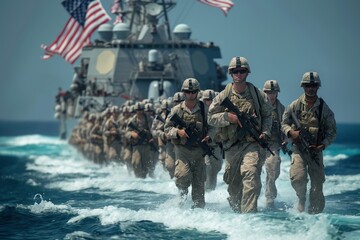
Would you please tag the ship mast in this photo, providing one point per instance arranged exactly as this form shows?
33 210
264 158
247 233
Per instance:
143 15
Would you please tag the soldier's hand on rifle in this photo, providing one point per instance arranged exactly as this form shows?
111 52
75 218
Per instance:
182 133
206 139
262 136
134 134
295 135
233 118
317 148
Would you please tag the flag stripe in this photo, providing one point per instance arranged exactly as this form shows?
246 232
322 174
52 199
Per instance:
73 36
224 5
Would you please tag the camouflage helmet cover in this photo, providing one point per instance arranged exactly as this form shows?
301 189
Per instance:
149 107
310 77
166 104
139 106
178 97
271 85
238 62
208 94
190 84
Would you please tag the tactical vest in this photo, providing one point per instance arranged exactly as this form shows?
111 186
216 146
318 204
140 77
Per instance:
141 124
196 119
248 103
275 129
310 120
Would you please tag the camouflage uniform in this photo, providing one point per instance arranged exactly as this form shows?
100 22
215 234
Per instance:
112 139
126 148
213 165
242 152
141 157
302 163
97 143
276 141
190 163
272 162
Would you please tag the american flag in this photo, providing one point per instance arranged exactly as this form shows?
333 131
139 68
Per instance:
86 17
224 5
116 9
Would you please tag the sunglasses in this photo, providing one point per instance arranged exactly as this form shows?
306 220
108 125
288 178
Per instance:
192 92
311 85
241 71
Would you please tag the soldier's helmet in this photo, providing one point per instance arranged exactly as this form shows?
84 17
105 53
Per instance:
114 109
126 109
131 109
129 102
271 85
238 62
149 107
166 104
139 106
310 78
190 84
208 94
178 97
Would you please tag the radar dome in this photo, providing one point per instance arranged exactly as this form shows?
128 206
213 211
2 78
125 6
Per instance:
182 31
153 56
121 31
105 32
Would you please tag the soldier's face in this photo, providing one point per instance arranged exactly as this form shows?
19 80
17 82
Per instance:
311 89
239 74
272 96
191 95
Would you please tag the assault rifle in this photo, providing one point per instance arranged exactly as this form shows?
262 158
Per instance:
144 136
306 138
160 118
194 136
247 124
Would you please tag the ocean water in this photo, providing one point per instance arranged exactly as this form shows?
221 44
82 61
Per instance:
49 191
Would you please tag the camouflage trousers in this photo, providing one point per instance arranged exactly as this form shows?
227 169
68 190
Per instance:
272 167
126 155
190 170
242 174
170 159
141 160
303 165
213 167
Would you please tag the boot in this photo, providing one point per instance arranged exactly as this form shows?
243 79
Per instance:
301 205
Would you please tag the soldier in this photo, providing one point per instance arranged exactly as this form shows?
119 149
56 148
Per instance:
178 98
112 136
213 165
241 135
97 141
157 129
277 141
311 125
154 152
126 148
190 163
140 138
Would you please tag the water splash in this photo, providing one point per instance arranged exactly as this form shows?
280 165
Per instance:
38 197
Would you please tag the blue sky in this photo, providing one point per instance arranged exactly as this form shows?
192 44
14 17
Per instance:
281 39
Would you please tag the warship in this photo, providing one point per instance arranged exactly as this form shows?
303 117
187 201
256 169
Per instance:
137 58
